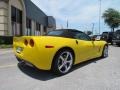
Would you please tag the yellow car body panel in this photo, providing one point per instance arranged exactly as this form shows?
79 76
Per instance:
42 57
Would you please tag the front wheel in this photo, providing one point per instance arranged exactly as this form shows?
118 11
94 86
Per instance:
63 62
105 52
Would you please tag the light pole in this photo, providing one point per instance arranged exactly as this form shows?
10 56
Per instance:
67 24
93 28
99 16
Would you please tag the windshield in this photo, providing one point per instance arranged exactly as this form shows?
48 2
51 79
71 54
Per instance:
118 32
104 33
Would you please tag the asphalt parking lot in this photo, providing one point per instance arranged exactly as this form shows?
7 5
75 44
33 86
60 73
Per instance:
97 74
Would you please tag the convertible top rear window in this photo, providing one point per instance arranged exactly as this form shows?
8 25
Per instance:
61 33
55 33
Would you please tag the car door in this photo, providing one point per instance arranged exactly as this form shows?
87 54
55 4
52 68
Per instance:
97 49
85 47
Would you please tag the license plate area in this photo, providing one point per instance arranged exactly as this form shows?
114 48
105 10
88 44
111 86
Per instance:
19 49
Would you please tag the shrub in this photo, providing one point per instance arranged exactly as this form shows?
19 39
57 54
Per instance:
6 40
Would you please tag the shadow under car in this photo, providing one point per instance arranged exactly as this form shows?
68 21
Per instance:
48 75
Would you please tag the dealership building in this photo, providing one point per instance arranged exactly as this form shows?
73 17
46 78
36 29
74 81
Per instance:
23 17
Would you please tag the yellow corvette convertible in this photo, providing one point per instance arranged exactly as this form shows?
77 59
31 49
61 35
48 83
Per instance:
59 50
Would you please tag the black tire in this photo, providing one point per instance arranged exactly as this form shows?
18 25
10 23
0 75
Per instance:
105 52
118 44
61 60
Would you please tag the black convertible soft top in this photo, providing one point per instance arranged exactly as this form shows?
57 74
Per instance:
68 33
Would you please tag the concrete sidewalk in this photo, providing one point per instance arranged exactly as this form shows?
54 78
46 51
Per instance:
5 51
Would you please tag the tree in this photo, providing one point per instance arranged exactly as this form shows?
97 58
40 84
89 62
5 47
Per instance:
112 18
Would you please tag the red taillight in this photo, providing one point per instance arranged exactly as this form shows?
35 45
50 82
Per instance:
31 42
26 42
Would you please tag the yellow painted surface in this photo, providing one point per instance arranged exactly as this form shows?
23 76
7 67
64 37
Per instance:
42 57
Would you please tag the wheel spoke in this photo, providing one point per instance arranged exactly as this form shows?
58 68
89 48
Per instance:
67 56
69 61
61 57
61 66
66 67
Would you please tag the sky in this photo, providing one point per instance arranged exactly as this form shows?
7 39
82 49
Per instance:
81 14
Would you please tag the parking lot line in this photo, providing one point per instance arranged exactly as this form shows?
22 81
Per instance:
5 52
7 66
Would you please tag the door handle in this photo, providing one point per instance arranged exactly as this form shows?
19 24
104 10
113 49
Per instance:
76 42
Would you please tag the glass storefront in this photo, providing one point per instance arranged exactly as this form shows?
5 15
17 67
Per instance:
28 31
16 21
38 29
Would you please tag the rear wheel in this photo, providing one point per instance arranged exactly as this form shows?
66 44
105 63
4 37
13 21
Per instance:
105 52
63 62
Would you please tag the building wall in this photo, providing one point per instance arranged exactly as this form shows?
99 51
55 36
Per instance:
33 27
41 31
25 6
3 18
34 30
35 13
19 4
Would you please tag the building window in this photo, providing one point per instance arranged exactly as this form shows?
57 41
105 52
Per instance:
29 27
16 21
45 30
38 29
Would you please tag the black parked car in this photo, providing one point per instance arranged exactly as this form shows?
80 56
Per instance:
116 37
107 36
96 37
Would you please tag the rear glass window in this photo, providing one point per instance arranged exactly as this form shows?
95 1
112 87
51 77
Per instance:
55 33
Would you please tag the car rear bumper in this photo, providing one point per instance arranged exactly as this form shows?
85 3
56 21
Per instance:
35 58
25 62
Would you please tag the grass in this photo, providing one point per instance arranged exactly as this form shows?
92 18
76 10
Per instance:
3 46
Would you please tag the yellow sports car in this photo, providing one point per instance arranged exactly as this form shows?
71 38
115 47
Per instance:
59 50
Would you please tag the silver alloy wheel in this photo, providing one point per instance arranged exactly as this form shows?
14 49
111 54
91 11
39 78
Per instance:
65 61
105 51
